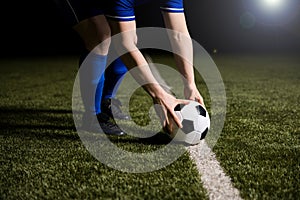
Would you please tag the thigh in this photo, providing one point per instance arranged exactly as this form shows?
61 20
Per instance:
75 11
94 31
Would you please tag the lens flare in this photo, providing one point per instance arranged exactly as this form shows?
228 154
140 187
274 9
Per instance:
273 3
273 12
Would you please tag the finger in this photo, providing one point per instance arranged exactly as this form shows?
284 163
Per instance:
176 119
165 113
200 100
160 113
183 101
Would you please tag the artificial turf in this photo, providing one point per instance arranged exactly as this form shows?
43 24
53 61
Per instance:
42 157
260 143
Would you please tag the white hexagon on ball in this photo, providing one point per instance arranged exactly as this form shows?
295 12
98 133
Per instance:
195 121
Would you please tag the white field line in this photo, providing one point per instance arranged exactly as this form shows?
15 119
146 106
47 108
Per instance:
215 181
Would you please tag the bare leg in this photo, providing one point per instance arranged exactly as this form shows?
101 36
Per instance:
93 31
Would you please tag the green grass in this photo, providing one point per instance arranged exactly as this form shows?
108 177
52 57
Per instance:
42 156
260 143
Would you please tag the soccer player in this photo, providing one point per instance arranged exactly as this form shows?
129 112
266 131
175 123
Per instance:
87 19
121 17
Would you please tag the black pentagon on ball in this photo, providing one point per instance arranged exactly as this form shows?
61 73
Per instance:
179 107
187 126
201 111
204 134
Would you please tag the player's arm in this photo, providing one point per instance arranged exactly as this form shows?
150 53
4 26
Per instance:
142 74
182 45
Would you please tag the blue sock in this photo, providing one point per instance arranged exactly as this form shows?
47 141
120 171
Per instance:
91 81
113 76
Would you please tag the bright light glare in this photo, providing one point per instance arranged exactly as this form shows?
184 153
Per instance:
271 12
273 3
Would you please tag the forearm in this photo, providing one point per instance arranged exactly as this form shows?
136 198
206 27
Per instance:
133 58
142 74
184 59
181 43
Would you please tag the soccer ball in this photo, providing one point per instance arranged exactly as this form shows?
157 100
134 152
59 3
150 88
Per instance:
195 121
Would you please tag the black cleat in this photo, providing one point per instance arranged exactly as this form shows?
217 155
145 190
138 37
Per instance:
112 108
108 125
101 123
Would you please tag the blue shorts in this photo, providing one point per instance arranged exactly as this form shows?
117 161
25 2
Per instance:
123 10
74 11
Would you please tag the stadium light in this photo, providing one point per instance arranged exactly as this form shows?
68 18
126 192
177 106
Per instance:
273 6
273 12
273 3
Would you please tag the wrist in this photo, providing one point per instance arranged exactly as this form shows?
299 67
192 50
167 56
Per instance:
154 90
190 85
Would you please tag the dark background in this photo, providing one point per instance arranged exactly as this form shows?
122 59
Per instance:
35 27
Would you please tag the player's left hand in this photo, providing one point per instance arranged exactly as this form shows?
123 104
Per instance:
192 93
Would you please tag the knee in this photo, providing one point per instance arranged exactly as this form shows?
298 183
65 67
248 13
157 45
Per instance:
103 33
103 46
105 41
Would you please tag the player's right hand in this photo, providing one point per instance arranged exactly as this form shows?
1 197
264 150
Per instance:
166 110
